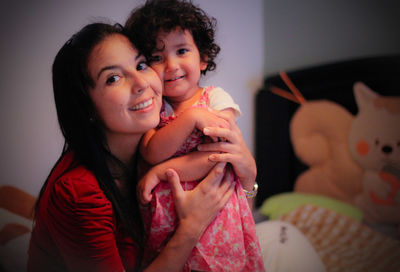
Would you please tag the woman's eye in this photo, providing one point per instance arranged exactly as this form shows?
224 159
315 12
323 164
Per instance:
112 79
142 66
182 51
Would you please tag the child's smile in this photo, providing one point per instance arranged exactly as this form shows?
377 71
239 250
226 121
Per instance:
172 80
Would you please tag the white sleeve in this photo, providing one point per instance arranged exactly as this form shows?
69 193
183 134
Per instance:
221 100
168 110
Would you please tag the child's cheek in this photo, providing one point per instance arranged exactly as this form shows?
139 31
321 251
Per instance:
158 68
362 148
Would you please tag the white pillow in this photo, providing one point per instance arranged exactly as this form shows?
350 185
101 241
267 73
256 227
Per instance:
286 249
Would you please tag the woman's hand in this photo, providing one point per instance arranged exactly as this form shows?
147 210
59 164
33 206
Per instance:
195 209
198 207
233 150
206 118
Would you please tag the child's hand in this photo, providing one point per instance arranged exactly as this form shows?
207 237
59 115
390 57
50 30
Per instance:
233 150
146 185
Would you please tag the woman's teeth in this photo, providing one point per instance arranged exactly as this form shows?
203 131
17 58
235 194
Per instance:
142 105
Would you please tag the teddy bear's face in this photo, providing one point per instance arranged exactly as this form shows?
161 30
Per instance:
374 137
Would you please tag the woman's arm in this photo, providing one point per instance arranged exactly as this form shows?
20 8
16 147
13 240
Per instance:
79 221
159 145
196 209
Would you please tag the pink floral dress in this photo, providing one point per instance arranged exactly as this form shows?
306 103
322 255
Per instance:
228 244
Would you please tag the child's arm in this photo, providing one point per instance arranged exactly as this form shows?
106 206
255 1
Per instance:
192 166
159 145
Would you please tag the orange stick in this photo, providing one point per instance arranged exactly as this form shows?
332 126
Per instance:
284 94
292 87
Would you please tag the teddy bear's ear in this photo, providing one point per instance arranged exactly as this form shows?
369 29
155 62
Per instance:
364 95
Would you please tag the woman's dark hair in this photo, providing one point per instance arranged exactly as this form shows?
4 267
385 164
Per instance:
147 21
83 131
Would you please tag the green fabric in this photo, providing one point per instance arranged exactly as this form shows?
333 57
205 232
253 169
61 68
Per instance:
280 204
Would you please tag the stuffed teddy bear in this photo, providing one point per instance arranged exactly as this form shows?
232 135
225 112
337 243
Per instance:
374 141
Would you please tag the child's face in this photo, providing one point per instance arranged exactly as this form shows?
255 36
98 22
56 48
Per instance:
178 64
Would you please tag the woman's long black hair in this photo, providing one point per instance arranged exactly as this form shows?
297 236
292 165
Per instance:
83 131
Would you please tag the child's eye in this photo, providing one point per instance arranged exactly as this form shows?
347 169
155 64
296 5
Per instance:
112 79
142 66
155 59
182 51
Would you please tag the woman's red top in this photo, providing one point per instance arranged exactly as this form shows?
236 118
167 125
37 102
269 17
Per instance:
76 227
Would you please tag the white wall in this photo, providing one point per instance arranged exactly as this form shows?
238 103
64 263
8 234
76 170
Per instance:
310 32
257 38
33 32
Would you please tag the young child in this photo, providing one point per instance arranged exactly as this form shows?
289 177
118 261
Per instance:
178 38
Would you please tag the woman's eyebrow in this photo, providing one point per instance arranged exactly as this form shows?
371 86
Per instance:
111 67
138 56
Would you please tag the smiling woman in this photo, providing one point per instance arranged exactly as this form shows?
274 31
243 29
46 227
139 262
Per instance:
126 93
87 215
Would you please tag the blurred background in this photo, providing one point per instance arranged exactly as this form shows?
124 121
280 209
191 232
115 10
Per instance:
258 38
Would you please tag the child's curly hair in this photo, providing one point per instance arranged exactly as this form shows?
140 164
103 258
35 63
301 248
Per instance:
147 21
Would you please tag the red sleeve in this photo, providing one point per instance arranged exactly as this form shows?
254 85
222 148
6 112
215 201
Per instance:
83 225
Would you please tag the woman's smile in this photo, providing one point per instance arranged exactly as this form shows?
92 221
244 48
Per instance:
143 106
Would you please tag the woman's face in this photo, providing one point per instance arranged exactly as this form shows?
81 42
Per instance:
127 92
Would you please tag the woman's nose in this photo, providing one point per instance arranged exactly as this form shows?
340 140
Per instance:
140 84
